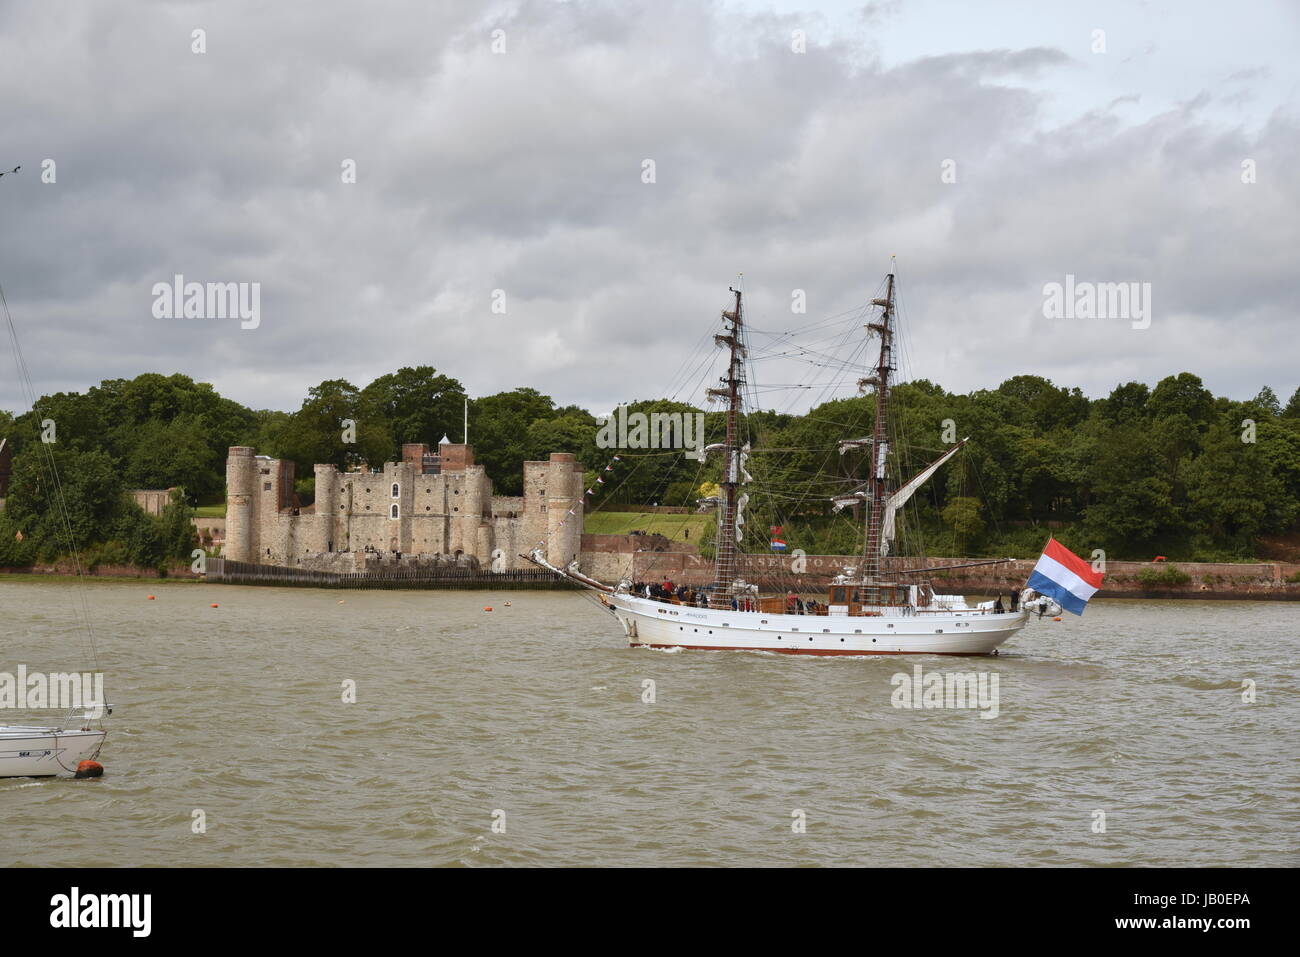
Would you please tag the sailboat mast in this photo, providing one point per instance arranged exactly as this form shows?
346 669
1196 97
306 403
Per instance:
880 443
724 572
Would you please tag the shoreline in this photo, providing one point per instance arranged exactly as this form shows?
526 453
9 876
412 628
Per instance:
971 589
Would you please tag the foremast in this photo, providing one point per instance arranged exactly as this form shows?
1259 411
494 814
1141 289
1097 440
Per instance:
724 566
877 483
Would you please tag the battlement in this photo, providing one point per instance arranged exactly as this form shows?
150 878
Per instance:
425 504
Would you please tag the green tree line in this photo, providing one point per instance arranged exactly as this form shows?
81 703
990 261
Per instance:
1169 469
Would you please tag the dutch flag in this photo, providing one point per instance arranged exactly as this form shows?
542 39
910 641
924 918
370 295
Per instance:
1064 577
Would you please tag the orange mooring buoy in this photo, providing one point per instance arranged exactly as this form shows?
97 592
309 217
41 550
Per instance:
1056 619
89 769
487 608
214 604
151 598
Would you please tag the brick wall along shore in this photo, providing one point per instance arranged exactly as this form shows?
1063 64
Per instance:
610 557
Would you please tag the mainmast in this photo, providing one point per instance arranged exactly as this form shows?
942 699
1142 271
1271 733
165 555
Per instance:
724 571
879 444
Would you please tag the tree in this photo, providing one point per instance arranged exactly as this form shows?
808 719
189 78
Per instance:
1183 394
331 428
962 515
1268 401
416 404
499 424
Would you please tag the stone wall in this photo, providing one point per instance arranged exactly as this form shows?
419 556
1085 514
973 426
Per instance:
685 566
152 500
407 507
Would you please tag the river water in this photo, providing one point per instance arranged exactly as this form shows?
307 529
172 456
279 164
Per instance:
533 716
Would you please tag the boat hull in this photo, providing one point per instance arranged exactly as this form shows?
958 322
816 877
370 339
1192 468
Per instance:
655 624
45 752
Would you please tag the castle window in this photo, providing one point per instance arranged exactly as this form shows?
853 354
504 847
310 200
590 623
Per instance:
393 512
266 486
397 489
266 471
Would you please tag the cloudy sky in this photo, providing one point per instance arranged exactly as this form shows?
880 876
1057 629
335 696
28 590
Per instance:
502 146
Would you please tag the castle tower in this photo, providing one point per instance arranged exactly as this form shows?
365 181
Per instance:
327 509
564 491
241 518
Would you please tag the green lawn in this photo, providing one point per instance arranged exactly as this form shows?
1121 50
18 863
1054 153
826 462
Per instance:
211 511
670 526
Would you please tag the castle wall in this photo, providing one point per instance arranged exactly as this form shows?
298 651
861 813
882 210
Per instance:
447 513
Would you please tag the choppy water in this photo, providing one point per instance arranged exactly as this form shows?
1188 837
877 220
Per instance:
536 710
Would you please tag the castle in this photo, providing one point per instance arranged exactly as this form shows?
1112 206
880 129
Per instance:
427 507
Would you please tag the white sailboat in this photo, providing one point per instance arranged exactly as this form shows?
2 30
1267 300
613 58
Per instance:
71 746
36 752
864 613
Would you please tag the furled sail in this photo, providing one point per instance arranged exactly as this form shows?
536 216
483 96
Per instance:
903 493
740 515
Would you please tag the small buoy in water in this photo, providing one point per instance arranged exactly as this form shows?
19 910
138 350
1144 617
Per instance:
487 607
89 769
507 604
214 604
1056 619
151 598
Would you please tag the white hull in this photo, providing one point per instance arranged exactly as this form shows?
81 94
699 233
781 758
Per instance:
971 631
42 752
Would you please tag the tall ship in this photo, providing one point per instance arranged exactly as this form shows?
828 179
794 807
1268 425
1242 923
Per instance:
869 608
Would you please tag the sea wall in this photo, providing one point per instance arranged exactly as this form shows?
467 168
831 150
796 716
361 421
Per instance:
1122 579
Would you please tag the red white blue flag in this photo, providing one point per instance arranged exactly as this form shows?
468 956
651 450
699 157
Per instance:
1064 577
